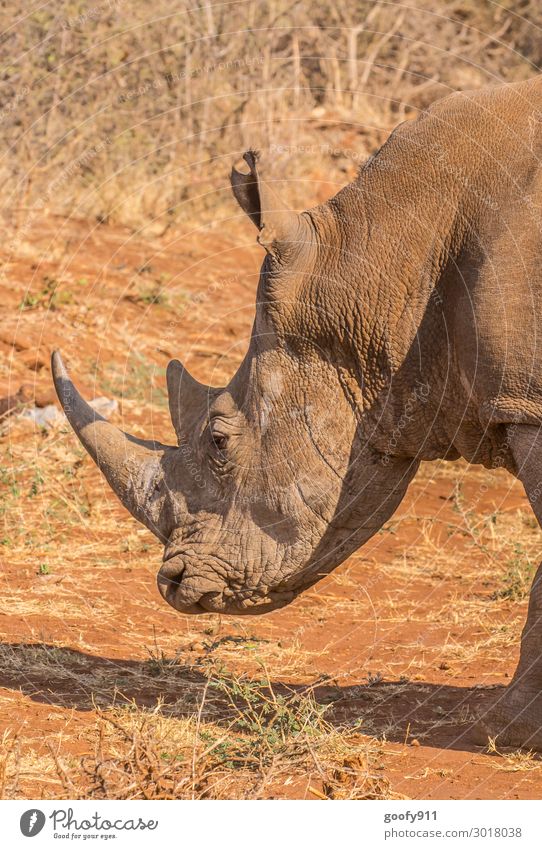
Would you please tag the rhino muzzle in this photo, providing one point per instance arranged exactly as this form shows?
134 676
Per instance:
196 595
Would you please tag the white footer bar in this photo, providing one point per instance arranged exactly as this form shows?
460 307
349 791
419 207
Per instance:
272 824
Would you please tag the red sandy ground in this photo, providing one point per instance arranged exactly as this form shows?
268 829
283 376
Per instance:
407 635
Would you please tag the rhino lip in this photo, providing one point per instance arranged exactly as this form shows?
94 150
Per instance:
169 586
168 590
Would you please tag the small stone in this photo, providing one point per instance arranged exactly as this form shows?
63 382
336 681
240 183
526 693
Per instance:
105 406
43 416
50 415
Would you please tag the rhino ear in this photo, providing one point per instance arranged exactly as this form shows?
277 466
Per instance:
246 188
277 224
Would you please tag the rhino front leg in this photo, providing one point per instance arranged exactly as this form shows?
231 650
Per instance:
515 718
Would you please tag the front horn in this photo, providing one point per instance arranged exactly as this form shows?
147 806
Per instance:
134 468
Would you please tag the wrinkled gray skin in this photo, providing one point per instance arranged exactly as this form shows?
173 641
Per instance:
396 322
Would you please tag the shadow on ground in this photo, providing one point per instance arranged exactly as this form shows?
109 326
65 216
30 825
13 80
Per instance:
436 715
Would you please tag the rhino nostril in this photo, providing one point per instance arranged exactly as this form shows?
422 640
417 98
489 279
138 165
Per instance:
168 581
172 568
171 578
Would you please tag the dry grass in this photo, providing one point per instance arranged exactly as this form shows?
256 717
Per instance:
520 761
244 740
127 113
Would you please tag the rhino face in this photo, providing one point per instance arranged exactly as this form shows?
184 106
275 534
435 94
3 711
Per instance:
271 484
245 500
269 455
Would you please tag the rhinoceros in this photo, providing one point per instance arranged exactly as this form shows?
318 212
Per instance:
395 323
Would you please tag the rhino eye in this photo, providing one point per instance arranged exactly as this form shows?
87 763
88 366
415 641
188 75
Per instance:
220 440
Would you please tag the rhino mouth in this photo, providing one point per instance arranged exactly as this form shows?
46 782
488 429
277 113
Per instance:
169 590
183 594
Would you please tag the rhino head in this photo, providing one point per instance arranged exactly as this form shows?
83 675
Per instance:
274 480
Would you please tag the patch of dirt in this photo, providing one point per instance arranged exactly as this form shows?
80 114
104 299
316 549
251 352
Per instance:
400 645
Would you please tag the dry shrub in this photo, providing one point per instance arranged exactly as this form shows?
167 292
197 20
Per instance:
128 111
245 741
252 743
